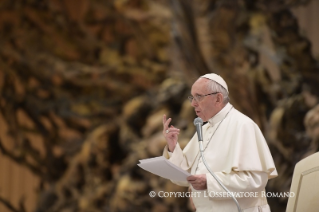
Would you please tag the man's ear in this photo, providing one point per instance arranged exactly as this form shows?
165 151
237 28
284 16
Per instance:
220 98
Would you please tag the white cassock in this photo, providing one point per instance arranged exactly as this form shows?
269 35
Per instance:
239 156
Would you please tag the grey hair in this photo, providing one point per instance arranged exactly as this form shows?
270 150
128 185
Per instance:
216 87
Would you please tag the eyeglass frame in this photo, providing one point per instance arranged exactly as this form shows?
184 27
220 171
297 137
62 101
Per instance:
191 98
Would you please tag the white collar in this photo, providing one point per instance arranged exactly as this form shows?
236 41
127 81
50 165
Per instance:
220 115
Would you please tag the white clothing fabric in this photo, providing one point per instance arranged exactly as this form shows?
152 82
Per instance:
238 155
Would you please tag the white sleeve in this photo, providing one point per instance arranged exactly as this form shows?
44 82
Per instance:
166 153
176 157
237 182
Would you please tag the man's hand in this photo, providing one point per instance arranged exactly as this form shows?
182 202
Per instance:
170 133
198 181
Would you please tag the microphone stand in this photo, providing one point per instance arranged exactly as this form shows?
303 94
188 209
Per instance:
216 178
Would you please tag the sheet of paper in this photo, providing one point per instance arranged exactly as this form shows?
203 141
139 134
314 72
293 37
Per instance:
164 168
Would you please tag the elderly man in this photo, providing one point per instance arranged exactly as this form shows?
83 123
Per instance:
234 148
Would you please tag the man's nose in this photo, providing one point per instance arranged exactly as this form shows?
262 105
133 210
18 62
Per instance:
194 103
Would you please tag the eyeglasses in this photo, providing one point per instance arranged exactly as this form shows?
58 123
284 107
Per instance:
198 97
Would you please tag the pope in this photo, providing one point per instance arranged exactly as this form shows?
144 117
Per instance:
234 148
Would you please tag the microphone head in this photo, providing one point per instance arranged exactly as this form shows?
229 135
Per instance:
198 121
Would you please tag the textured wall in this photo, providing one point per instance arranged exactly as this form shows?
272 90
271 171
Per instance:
16 181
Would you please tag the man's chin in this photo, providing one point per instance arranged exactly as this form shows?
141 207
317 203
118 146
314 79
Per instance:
200 116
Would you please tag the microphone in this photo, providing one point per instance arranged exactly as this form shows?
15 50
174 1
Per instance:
198 122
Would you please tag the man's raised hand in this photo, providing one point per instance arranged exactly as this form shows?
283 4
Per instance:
170 133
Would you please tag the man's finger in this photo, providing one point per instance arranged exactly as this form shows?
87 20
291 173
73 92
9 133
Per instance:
167 123
173 129
164 119
191 178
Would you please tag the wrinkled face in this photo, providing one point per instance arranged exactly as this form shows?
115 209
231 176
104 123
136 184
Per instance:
207 107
